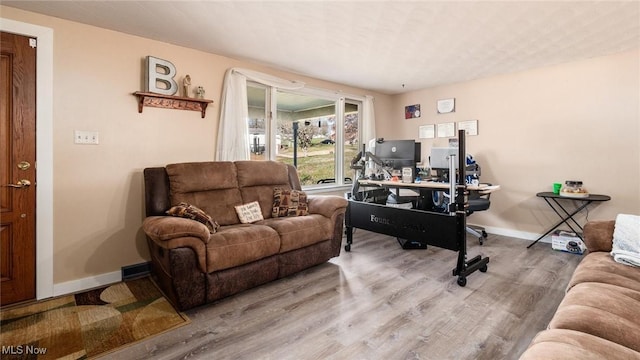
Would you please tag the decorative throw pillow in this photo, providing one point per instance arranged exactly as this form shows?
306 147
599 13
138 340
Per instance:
289 203
192 212
249 213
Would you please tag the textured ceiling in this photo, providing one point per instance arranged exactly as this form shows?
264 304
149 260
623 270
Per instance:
385 46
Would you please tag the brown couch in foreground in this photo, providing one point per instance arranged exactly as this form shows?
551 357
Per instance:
195 265
599 317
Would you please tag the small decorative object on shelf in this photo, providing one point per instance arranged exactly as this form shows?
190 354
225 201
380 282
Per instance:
171 102
186 85
200 92
153 77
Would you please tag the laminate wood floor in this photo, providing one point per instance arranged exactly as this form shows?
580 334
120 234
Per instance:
381 302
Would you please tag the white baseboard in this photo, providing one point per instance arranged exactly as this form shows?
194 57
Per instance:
524 235
87 283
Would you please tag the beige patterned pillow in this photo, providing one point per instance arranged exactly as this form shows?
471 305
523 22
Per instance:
192 212
289 203
249 213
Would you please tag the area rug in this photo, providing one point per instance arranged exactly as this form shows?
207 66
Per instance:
87 324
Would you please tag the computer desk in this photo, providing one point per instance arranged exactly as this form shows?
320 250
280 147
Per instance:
482 188
445 230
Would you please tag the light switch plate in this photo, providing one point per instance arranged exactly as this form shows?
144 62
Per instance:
86 137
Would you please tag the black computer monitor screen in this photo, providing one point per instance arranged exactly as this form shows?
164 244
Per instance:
439 158
397 154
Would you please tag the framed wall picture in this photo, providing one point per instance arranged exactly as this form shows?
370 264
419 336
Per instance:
446 105
427 131
412 111
446 130
470 127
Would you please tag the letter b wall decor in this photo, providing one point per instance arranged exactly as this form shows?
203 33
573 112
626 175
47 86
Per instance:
160 72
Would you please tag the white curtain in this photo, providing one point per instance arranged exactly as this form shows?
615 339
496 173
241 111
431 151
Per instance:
368 123
233 132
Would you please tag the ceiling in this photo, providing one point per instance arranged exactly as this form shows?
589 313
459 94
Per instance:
386 46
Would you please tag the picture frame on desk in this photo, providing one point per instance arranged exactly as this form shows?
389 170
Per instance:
407 175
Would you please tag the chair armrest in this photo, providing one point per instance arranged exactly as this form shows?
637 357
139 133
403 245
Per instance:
326 205
165 228
598 235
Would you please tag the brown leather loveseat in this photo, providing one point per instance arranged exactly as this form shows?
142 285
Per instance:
599 317
195 264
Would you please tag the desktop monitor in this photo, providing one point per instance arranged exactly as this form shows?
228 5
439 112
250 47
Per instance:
439 158
397 154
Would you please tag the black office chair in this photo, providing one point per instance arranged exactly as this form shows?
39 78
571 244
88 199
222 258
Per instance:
478 201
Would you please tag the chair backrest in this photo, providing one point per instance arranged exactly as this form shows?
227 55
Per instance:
478 201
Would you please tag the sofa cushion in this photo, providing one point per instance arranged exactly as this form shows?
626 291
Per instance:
192 212
327 205
257 179
256 173
603 310
601 268
249 213
300 231
289 203
598 235
240 244
562 344
211 186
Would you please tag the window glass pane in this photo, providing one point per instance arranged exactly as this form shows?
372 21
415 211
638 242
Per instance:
351 136
326 140
306 129
258 134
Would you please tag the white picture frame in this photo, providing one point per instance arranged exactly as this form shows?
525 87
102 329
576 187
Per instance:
427 131
445 106
470 127
446 130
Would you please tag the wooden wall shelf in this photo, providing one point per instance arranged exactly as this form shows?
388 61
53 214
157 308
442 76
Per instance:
171 102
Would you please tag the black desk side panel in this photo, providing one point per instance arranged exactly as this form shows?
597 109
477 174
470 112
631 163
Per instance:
435 229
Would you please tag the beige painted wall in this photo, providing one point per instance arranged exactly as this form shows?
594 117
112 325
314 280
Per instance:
98 190
573 121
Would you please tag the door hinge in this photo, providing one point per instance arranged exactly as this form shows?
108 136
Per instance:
33 42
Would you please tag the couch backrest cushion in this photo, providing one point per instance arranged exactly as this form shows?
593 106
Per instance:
217 187
257 179
211 186
294 180
156 191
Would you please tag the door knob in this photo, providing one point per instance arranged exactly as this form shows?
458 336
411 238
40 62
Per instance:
22 183
24 165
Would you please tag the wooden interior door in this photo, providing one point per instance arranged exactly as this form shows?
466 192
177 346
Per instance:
17 168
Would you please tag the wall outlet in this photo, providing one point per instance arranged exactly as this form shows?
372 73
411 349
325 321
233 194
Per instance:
86 137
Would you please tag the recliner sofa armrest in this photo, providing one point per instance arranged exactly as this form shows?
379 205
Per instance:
326 205
598 235
165 228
